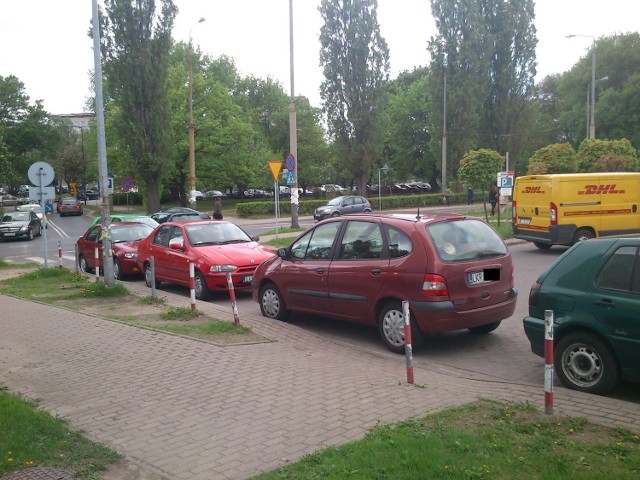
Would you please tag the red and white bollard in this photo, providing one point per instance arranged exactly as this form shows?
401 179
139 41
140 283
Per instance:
232 297
96 255
548 362
192 285
408 351
59 254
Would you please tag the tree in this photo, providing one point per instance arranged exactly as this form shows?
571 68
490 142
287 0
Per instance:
478 169
556 158
607 156
355 60
486 50
136 44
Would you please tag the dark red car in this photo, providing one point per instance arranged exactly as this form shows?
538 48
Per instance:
212 245
455 272
124 240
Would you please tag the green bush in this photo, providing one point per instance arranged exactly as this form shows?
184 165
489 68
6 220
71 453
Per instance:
307 207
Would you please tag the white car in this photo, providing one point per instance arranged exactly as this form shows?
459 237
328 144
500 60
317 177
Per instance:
31 207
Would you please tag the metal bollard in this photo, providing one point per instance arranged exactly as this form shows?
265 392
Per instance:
548 362
97 258
153 276
192 285
232 293
59 254
408 351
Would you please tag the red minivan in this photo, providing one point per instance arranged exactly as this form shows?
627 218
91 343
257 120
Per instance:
455 272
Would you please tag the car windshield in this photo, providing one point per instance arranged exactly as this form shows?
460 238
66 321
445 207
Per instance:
463 240
215 233
33 208
336 201
146 220
16 217
130 233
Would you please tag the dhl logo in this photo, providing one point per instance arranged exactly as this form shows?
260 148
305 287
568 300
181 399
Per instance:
533 190
600 189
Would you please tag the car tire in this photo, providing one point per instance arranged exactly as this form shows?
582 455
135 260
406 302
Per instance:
486 328
148 280
367 210
586 363
84 266
40 231
391 328
272 304
542 246
335 214
202 290
583 234
30 235
117 269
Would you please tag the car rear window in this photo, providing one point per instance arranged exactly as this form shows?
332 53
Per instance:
462 240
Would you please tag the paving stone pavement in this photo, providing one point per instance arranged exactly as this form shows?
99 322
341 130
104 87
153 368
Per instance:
179 408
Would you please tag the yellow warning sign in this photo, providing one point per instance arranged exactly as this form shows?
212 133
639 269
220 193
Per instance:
275 169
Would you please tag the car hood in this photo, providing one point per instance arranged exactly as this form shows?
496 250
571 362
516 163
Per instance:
14 224
126 247
250 253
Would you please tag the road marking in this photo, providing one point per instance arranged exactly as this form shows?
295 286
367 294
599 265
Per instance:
58 230
40 260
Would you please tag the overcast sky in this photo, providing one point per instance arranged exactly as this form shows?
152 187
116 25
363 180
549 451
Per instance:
45 42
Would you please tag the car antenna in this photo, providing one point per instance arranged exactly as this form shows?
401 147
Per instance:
418 215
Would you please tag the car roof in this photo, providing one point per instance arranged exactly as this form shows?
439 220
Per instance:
408 217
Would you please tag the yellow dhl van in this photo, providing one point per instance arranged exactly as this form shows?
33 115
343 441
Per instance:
566 208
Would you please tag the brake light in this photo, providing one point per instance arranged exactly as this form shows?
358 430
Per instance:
435 285
515 212
553 212
533 294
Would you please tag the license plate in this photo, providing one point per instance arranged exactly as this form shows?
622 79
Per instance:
524 221
247 278
476 277
9 234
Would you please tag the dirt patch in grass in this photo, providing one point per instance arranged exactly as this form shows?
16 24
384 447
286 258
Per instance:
140 312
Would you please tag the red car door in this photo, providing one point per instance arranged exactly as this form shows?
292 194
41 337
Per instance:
88 244
303 280
176 259
359 270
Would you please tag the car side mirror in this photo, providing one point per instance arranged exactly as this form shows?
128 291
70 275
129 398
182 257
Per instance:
283 253
176 246
255 238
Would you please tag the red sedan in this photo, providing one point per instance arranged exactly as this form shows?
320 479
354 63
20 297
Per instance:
124 239
214 247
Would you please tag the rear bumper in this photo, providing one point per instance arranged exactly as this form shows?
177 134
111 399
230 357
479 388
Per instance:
555 235
438 317
534 330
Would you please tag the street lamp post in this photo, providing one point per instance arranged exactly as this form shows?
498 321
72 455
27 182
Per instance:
293 133
192 147
592 122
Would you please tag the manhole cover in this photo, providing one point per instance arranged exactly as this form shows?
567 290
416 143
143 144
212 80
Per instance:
40 474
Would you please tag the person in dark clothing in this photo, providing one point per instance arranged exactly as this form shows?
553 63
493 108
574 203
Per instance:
493 198
469 195
217 209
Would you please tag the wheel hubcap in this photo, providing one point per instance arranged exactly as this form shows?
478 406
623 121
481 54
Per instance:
393 327
198 286
583 365
270 303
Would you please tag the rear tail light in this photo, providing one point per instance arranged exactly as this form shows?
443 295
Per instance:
533 294
515 212
553 213
435 285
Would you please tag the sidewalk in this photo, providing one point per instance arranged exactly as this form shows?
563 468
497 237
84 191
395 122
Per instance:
180 408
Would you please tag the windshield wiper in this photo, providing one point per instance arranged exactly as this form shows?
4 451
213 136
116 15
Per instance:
236 240
197 244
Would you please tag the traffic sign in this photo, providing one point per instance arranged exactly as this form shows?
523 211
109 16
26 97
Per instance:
291 162
40 174
275 169
127 183
110 184
385 169
291 178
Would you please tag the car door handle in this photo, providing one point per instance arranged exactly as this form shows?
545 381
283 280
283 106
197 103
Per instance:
376 271
319 270
604 303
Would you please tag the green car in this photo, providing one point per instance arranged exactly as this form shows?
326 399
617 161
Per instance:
593 290
128 217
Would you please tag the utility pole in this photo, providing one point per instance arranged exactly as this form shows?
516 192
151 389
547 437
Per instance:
293 133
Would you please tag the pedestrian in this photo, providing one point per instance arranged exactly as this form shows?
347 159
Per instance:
493 198
217 208
469 195
447 197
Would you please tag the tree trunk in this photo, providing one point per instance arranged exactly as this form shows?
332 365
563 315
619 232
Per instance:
153 194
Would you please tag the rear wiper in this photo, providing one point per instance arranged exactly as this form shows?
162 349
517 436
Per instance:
489 253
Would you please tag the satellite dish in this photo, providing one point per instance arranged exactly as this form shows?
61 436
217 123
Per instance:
41 174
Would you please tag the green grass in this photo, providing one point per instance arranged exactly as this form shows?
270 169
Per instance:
209 328
51 284
284 230
483 440
30 438
6 265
